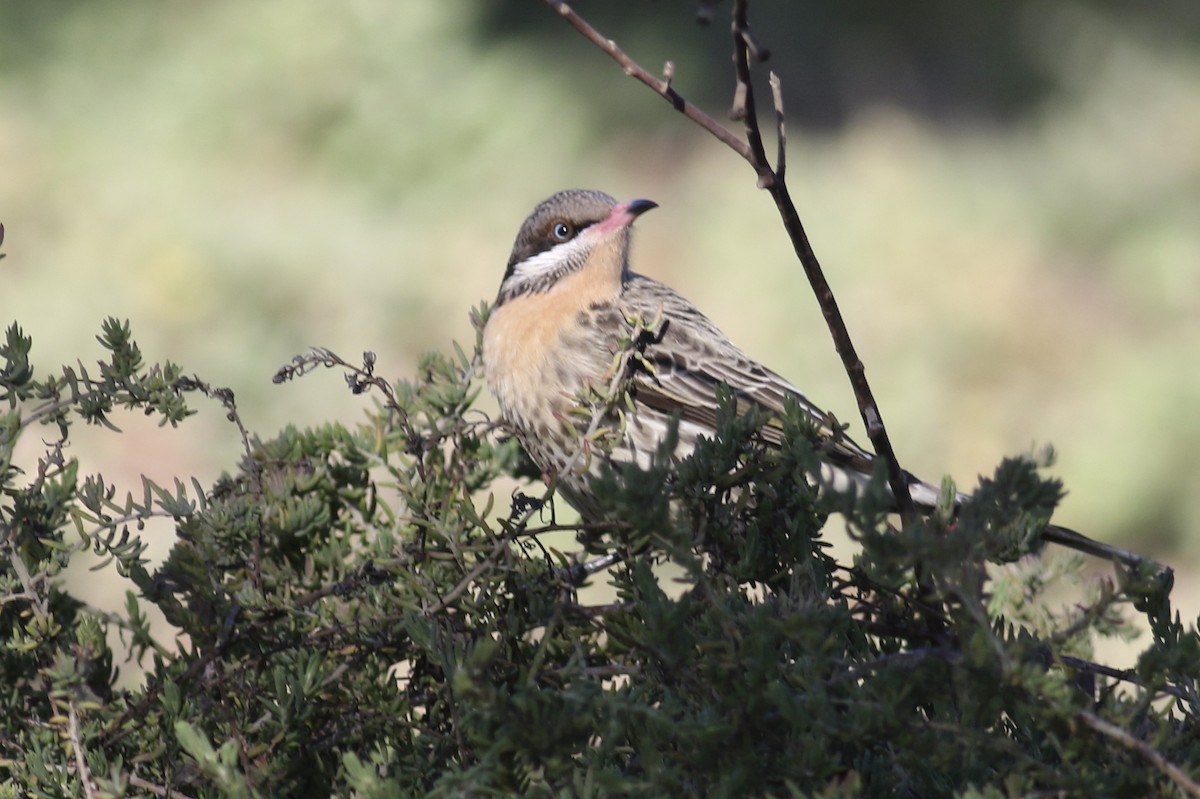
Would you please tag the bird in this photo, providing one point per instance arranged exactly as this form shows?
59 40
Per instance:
553 336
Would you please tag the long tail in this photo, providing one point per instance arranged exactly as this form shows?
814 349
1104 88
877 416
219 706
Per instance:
925 495
1064 536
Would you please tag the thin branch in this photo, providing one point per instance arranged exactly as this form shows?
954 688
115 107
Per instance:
780 129
578 527
29 583
753 46
488 562
85 775
773 180
1156 759
752 151
660 87
743 97
1086 621
855 371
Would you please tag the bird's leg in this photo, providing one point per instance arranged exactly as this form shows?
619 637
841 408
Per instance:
577 573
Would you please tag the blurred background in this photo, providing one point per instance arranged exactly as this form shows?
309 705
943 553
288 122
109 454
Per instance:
1005 197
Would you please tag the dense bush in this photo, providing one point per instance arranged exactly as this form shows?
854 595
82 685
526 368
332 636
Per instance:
358 612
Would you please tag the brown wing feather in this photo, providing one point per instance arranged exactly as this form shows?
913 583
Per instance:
695 357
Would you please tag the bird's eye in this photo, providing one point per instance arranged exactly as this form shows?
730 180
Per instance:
562 231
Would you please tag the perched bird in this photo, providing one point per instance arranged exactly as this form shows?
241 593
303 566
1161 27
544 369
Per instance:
554 334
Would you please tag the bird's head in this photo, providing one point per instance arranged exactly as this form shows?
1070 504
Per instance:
574 230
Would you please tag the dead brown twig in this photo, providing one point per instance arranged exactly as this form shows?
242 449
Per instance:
746 50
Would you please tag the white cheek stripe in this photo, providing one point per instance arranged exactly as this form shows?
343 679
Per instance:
546 262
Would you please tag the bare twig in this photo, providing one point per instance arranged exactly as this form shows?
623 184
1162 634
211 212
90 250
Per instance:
855 370
780 130
29 584
579 527
773 182
755 48
1155 758
486 564
85 774
661 87
1086 621
752 151
743 98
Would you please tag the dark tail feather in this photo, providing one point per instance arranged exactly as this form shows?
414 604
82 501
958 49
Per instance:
1081 543
925 496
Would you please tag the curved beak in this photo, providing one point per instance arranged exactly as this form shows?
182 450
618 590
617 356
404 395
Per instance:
635 208
623 214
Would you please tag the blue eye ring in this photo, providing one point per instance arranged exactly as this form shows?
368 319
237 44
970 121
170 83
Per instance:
562 231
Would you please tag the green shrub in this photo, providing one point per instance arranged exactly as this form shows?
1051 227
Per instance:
357 613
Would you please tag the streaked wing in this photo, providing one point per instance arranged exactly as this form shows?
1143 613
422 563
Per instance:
695 357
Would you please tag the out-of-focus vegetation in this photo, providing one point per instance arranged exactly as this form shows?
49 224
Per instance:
1006 202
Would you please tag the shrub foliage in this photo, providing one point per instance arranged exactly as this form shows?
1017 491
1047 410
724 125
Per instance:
366 613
